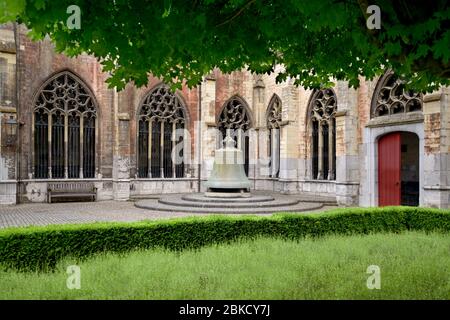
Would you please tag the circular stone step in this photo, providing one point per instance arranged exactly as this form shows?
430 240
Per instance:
157 206
199 197
178 201
257 204
227 195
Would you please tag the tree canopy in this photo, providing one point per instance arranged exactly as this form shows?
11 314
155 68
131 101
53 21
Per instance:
180 41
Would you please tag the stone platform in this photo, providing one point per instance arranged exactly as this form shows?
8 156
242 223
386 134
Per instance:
199 197
258 203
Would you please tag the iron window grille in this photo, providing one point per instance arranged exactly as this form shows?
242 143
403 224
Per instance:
322 114
64 117
161 125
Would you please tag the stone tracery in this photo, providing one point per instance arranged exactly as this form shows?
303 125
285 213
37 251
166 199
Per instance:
161 120
64 129
322 112
391 97
234 117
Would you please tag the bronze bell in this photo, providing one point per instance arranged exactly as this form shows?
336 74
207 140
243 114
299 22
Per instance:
228 175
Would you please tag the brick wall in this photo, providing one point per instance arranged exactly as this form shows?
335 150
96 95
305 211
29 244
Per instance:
37 61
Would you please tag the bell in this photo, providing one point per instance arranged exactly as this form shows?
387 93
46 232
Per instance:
228 175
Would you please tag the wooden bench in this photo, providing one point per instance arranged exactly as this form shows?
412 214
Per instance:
71 190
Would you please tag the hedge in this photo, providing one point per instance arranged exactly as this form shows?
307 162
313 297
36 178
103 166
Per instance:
40 248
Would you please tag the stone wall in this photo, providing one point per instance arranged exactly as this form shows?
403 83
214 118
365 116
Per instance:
436 159
8 113
116 178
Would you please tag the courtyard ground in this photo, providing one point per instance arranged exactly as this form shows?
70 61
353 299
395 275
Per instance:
86 212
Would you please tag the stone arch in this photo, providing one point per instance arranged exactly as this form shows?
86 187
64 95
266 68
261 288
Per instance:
273 112
321 127
390 97
161 123
236 116
241 101
65 130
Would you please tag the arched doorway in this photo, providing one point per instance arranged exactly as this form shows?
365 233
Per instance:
398 169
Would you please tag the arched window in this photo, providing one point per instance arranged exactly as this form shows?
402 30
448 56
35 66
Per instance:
322 111
274 127
65 117
234 117
161 123
390 97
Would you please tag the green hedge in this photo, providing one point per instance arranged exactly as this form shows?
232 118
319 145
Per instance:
40 248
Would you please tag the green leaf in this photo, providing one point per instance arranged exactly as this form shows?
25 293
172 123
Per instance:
10 9
167 8
422 50
39 4
441 48
181 41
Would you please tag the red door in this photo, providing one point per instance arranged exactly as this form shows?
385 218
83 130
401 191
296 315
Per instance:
389 165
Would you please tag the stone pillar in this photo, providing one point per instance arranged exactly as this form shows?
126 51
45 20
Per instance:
320 153
161 147
436 164
290 139
275 147
8 111
259 163
347 158
330 151
304 159
121 152
149 155
7 165
206 142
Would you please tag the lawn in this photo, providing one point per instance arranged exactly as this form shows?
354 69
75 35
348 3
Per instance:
413 265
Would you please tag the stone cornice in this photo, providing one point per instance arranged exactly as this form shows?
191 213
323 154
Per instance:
124 116
7 47
396 119
437 188
432 97
8 109
340 113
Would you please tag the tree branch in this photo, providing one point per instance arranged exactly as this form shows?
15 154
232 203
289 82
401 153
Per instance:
237 13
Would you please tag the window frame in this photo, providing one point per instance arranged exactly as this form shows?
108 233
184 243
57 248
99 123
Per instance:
148 116
93 109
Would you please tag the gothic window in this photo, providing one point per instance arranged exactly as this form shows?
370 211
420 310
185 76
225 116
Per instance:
161 124
391 97
274 133
322 111
234 117
64 129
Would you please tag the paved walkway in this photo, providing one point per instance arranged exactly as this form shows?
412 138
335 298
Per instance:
83 212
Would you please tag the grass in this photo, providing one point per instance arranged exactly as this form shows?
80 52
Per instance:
413 265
